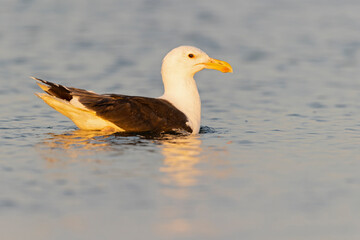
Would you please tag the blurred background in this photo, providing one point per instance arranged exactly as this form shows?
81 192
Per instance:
278 154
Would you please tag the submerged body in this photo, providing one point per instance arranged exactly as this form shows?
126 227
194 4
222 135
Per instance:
178 109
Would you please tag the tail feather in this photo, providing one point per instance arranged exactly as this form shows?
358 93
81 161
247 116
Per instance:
43 87
83 118
54 89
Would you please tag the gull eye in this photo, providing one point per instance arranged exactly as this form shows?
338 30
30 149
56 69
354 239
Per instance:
191 55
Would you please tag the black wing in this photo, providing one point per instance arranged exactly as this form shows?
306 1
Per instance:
131 113
136 114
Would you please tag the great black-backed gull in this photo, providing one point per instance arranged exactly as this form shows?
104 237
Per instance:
178 109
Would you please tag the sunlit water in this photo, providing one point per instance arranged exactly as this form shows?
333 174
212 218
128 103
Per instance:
278 155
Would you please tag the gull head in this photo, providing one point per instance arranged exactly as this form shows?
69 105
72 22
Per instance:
188 60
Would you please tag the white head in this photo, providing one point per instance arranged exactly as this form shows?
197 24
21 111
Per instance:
188 60
178 69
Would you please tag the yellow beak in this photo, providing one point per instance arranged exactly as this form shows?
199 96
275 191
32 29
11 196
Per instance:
219 65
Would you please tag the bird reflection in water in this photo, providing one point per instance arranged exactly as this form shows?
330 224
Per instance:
177 174
180 158
71 146
180 152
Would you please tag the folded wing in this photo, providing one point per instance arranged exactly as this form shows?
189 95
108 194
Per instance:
128 113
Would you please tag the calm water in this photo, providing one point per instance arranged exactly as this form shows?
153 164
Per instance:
278 156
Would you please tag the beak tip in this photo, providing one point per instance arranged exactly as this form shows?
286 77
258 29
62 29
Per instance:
228 70
219 65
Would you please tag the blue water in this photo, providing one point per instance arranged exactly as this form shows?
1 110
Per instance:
278 153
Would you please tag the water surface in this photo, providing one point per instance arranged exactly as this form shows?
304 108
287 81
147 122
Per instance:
278 154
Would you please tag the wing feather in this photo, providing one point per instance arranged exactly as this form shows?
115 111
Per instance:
137 114
130 113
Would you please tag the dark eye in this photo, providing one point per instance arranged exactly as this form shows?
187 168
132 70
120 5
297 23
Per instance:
191 55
